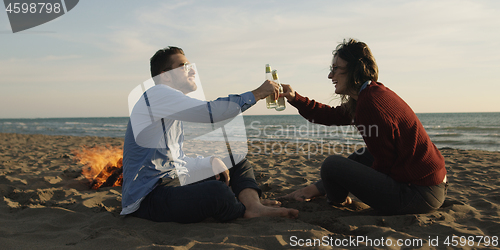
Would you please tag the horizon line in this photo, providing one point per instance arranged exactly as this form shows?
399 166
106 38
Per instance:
74 117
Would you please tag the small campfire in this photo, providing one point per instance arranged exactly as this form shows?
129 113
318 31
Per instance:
103 165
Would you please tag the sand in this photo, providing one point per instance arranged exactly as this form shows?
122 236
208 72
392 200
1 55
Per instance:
46 204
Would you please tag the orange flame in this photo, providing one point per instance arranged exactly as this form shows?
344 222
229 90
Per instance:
103 165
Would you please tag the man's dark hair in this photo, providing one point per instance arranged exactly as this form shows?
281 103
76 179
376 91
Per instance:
161 60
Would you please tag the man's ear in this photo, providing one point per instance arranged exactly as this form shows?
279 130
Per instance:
165 77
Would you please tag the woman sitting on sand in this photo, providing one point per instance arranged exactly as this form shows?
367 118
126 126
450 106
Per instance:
400 171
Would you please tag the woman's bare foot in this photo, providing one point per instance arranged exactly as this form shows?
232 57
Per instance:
348 201
303 194
270 203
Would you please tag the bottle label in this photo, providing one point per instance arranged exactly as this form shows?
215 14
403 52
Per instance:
268 68
275 75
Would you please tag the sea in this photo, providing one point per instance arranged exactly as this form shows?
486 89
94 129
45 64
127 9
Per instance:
479 131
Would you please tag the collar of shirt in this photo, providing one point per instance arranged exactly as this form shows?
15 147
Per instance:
364 86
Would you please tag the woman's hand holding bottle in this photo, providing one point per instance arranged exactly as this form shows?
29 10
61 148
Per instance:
288 92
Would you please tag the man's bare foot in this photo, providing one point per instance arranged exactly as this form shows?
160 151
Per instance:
270 203
303 194
254 207
260 210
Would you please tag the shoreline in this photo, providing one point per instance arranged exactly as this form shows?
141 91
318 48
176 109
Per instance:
46 203
258 141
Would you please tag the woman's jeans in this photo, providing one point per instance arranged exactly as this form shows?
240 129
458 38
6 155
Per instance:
170 202
341 176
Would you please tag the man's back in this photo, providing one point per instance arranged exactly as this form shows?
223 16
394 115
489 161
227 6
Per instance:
142 169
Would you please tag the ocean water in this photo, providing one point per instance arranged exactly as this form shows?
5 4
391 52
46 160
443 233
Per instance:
455 130
102 126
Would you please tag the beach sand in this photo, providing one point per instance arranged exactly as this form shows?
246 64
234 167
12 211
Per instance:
47 204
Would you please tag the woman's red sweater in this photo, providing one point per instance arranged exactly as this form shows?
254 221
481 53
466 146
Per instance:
392 132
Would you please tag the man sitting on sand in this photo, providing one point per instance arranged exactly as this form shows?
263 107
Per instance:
151 187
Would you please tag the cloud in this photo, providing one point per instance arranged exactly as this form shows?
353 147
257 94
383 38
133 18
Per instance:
425 40
419 45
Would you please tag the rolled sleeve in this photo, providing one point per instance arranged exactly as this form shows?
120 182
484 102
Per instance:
247 100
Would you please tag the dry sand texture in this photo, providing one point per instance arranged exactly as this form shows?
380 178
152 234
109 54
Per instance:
46 204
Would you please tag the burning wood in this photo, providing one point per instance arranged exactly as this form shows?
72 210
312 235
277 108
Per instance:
103 166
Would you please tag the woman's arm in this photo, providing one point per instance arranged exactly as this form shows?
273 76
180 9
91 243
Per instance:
316 112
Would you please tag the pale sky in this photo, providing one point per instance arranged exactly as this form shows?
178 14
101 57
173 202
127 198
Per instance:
439 56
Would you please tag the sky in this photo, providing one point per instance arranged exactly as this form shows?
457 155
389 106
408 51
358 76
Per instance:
439 56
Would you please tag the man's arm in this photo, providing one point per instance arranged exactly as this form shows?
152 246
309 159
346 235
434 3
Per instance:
267 88
165 102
